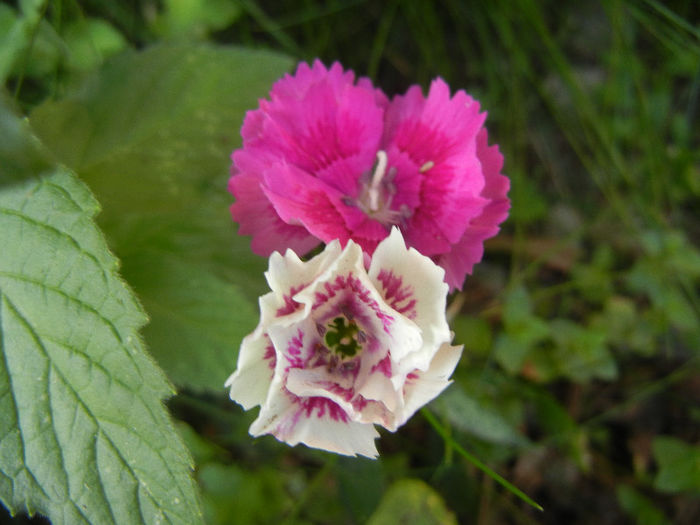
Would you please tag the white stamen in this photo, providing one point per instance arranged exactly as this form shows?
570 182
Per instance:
373 190
425 167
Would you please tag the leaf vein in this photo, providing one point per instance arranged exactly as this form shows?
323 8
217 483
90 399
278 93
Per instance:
60 233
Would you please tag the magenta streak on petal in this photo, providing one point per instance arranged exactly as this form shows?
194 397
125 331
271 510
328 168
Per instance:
395 294
334 388
294 348
321 405
270 356
383 366
411 376
359 403
352 284
290 305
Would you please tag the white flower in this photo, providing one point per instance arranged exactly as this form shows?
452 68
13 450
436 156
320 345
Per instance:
340 348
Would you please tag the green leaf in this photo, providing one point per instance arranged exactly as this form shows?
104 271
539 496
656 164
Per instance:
18 34
84 437
474 333
197 317
624 326
195 18
21 155
477 417
679 465
412 501
640 508
523 331
234 495
360 485
580 352
151 134
667 273
90 40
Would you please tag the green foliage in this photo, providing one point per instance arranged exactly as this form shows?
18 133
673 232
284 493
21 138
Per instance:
640 508
412 501
85 438
679 465
194 18
666 274
235 495
522 331
580 326
21 154
478 415
151 133
90 41
18 33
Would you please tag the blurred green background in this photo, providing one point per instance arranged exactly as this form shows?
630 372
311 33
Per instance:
579 381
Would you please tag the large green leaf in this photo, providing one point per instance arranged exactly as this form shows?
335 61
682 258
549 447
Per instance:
21 155
412 501
84 437
679 465
152 134
195 313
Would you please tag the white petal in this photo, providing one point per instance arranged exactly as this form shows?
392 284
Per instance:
251 380
427 385
318 382
288 271
286 419
380 388
294 344
413 285
349 439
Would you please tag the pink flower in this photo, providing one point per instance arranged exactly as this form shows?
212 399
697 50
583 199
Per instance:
327 158
340 349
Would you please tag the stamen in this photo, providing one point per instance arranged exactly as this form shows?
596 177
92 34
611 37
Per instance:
425 167
379 171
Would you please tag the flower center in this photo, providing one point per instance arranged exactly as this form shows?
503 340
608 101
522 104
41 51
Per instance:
342 337
377 193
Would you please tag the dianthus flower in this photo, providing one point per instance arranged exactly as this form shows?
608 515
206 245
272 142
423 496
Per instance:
341 348
329 158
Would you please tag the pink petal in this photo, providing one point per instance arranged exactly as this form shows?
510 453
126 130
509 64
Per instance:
301 199
323 121
469 250
295 86
257 217
438 134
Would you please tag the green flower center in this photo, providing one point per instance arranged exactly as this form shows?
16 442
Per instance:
341 337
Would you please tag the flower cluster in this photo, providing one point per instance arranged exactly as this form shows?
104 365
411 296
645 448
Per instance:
328 158
403 192
340 348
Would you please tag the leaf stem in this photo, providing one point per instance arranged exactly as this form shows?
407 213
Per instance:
476 462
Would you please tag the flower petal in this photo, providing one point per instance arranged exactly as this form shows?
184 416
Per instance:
325 126
424 386
438 134
470 248
256 216
412 285
250 382
288 272
299 198
315 422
